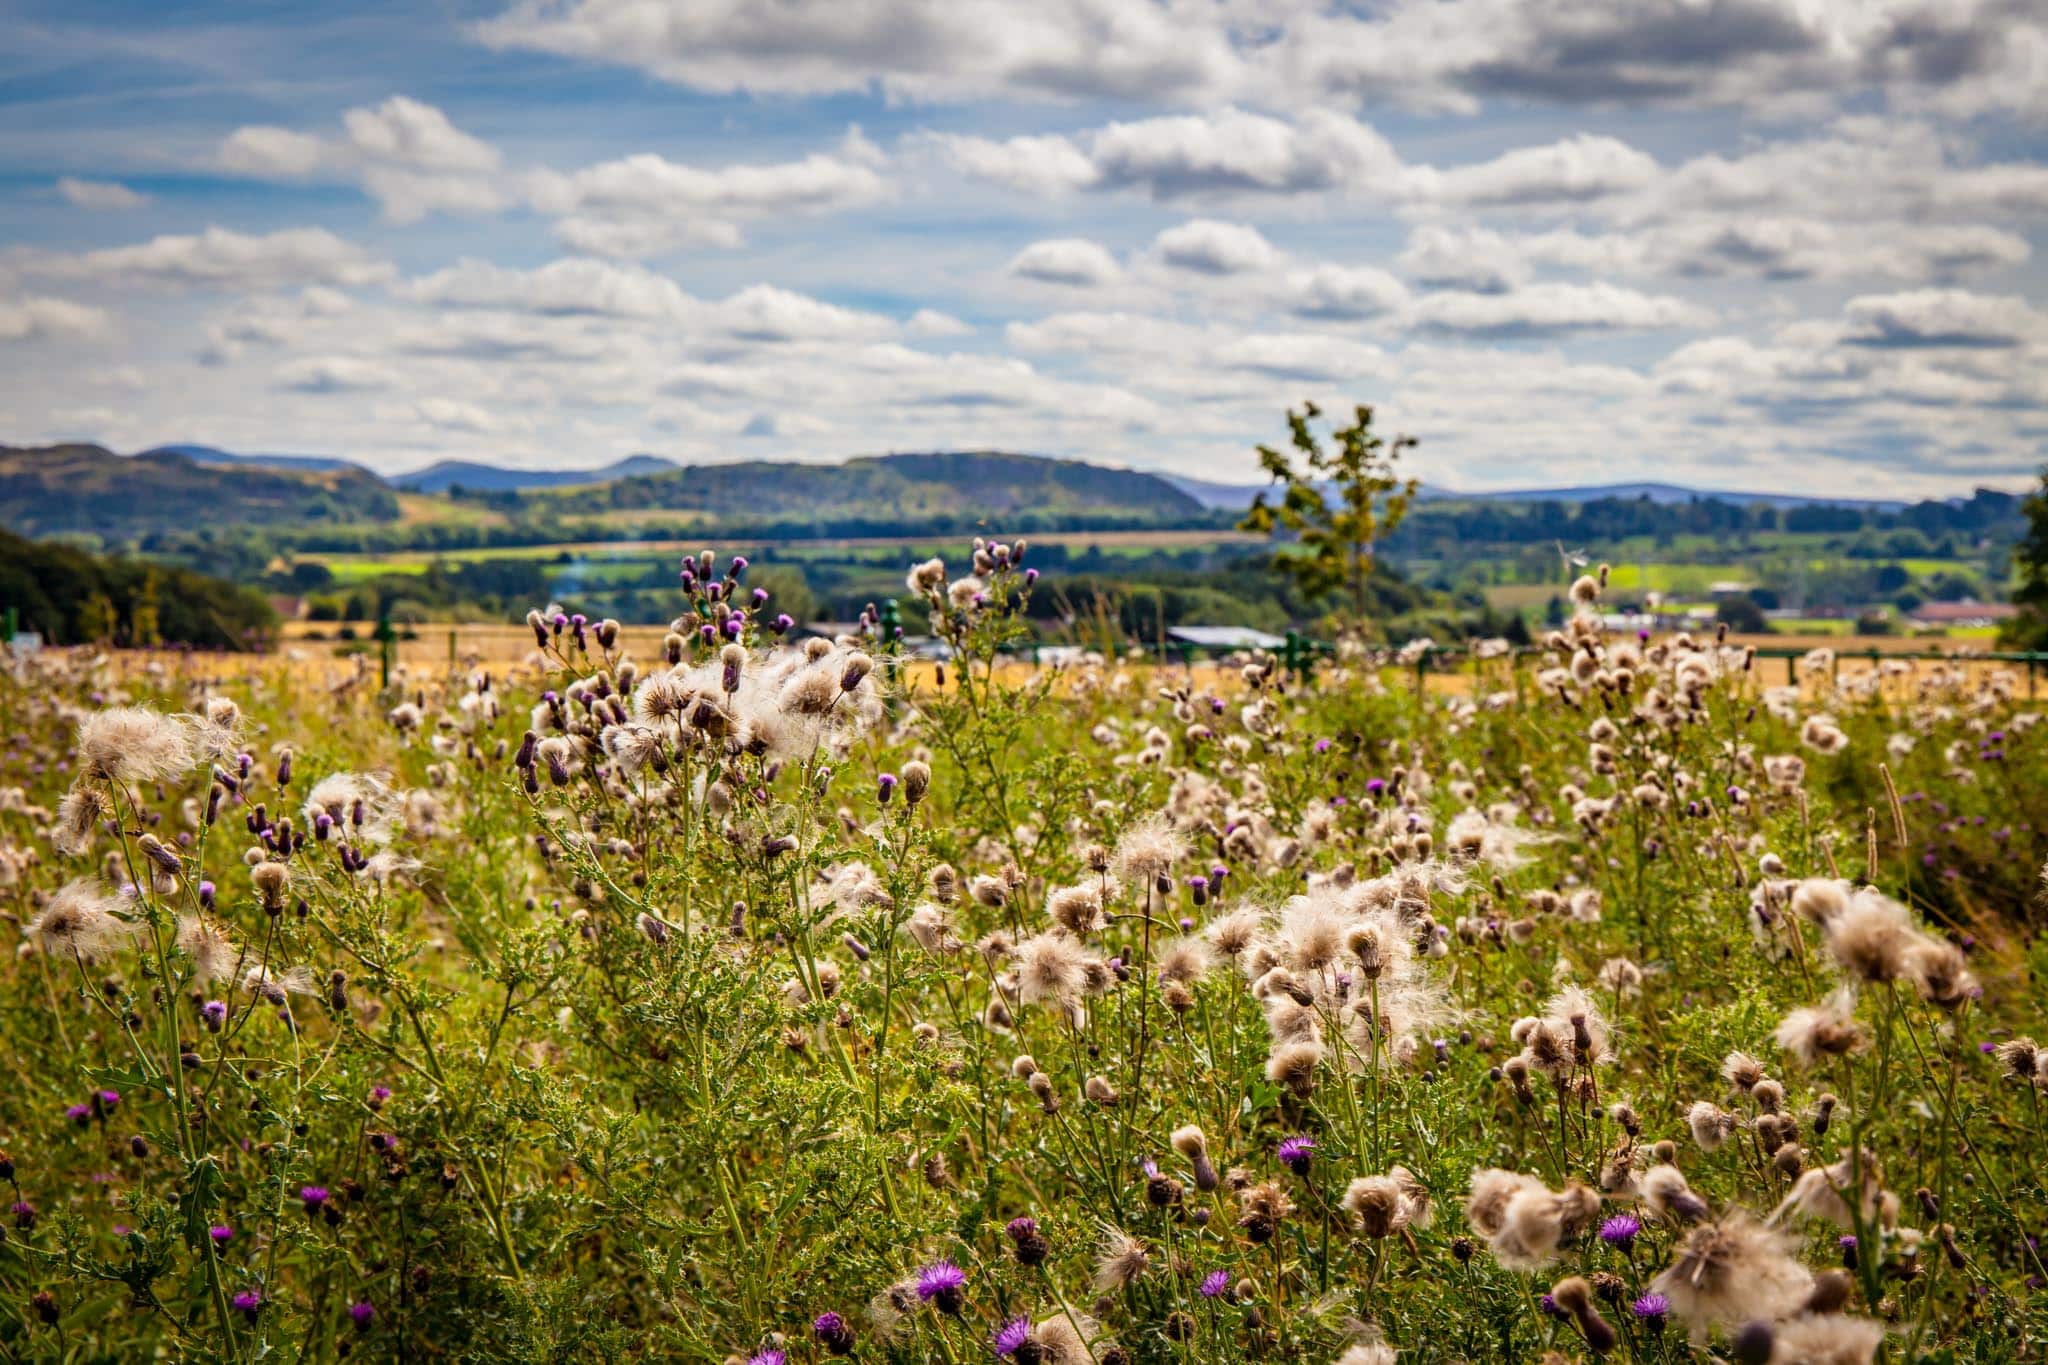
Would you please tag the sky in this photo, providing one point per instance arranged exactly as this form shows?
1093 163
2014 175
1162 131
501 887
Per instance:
1757 245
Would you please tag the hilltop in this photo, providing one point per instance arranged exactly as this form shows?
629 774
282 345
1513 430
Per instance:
89 490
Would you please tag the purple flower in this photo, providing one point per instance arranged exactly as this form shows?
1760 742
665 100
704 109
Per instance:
24 1214
940 1283
1376 786
1322 746
1214 1283
313 1196
771 1356
832 1331
1294 1153
249 1302
1652 1308
1621 1230
362 1313
80 1114
1011 1336
379 1094
221 1234
214 1014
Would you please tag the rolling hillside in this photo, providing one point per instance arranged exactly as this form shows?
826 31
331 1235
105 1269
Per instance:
89 490
1020 492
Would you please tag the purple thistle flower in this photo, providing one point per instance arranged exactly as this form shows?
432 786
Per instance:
939 1284
1294 1153
24 1214
1011 1336
221 1234
80 1114
832 1331
249 1302
1621 1230
362 1313
214 1014
313 1196
1214 1283
1652 1308
770 1356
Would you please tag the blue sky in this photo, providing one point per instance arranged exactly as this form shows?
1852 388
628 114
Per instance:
1780 245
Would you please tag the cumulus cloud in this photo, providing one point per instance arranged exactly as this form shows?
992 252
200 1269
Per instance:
405 154
1221 155
1066 260
1215 248
1553 308
221 258
100 196
1945 318
335 374
49 319
919 49
645 204
1344 293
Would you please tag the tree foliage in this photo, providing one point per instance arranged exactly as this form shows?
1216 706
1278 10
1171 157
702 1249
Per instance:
1339 498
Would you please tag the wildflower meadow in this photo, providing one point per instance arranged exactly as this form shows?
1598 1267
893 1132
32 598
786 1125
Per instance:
767 1000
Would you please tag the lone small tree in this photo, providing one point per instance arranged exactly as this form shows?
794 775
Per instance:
1338 531
2029 629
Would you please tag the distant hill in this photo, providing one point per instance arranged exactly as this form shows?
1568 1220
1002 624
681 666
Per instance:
1236 497
487 478
89 490
1012 492
213 455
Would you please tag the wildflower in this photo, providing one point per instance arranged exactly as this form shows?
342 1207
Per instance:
206 943
1215 1284
133 744
833 1333
1621 1231
1652 1309
214 1014
362 1313
1295 1152
80 815
1012 1336
1381 1205
940 1284
1191 1143
1031 1247
1121 1260
221 1234
1148 851
24 1215
80 921
771 1355
1829 1029
1827 1339
1733 1271
1523 1221
1573 1297
313 1197
80 1114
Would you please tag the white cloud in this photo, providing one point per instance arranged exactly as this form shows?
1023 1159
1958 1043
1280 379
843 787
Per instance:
50 319
1574 170
1962 58
563 288
405 133
1943 318
335 374
1344 293
1066 260
405 154
100 196
921 49
930 322
1551 308
645 204
1225 155
220 258
1216 248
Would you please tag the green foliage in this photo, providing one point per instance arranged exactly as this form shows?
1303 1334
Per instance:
1337 503
648 1008
72 597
